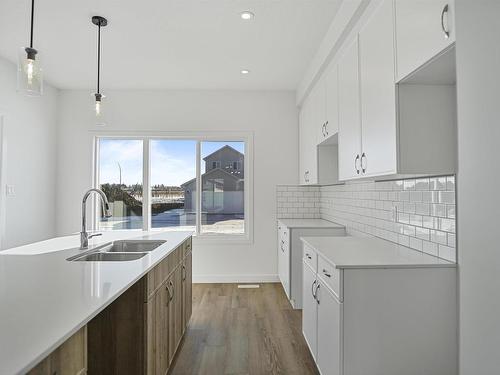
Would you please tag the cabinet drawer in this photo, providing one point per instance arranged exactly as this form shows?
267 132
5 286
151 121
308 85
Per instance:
310 257
160 273
330 275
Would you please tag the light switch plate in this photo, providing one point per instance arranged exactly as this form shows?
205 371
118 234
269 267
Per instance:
10 190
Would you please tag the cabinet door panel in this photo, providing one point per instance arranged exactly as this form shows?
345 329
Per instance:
378 93
332 102
304 113
308 144
157 332
349 114
187 290
309 309
419 32
284 263
329 332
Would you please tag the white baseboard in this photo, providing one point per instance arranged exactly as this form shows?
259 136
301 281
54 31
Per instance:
235 279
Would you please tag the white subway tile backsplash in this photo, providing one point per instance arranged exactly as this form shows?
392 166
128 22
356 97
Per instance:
418 213
438 210
422 184
438 183
298 202
447 197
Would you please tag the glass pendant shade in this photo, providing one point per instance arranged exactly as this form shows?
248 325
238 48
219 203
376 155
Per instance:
29 72
98 104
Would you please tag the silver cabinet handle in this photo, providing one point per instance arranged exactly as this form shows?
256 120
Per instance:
363 168
326 127
356 163
443 12
312 288
316 293
308 256
323 130
325 272
306 176
184 273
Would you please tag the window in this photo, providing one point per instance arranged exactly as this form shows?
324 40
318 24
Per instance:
120 177
223 194
189 184
173 184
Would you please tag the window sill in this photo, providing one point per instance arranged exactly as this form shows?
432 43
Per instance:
223 239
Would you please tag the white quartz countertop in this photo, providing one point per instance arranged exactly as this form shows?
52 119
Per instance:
309 223
44 298
371 252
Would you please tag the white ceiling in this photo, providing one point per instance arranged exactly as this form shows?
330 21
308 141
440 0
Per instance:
172 44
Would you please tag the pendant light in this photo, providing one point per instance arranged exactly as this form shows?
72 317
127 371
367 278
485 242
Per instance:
99 22
29 72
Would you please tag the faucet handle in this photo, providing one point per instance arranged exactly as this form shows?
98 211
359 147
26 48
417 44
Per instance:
94 235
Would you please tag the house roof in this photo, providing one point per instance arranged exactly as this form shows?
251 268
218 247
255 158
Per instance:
220 149
211 171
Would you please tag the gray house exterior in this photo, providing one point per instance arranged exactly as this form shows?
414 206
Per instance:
222 182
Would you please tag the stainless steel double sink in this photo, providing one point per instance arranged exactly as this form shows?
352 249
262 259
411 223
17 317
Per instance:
118 251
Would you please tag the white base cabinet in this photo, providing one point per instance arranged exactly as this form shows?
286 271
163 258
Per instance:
290 254
380 321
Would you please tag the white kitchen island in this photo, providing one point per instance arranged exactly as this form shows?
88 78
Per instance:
374 307
45 299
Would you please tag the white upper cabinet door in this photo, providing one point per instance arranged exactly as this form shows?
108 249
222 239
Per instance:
332 102
308 159
349 114
319 98
303 143
423 29
378 93
329 337
309 308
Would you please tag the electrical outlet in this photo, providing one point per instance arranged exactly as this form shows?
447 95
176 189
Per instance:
10 190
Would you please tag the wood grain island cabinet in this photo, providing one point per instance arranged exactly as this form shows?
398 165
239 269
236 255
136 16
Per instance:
69 358
140 332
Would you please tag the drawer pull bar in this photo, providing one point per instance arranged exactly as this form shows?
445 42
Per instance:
325 272
308 256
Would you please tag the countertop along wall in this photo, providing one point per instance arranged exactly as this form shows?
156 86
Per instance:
271 116
30 161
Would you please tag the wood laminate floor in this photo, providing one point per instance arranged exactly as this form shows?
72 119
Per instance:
243 331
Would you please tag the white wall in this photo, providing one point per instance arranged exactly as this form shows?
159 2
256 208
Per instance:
478 83
273 118
30 160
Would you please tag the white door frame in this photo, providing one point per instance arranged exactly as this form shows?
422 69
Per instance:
2 180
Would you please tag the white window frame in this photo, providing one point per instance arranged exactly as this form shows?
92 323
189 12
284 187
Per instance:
3 187
199 137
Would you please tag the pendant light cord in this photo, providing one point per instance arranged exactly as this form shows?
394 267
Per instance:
98 56
32 17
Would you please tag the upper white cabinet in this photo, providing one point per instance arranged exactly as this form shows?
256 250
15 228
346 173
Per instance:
380 124
423 29
308 154
349 114
330 100
378 93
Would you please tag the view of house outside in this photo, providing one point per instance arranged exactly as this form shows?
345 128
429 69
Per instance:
173 184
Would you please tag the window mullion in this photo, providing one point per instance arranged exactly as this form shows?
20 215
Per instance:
198 187
146 185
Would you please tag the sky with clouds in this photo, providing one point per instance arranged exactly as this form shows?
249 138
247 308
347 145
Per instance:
173 162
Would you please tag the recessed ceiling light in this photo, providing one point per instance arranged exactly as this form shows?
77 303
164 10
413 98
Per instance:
245 71
247 15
